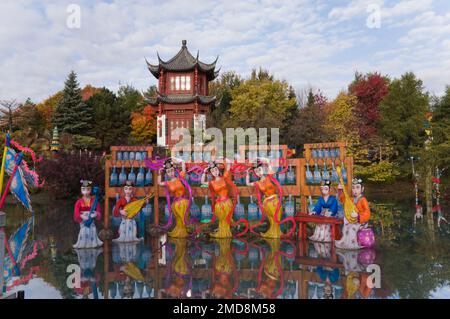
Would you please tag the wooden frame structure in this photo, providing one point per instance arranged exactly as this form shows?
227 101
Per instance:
300 189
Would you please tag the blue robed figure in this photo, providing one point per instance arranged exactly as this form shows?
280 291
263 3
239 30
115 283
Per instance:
327 205
330 204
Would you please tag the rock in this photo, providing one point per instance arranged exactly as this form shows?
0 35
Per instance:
105 234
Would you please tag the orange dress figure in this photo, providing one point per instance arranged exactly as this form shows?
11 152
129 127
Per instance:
223 205
271 201
358 217
180 203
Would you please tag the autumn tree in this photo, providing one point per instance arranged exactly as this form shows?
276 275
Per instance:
143 126
47 109
260 102
369 90
342 123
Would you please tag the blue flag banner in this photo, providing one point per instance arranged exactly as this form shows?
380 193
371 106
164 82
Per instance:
17 243
19 185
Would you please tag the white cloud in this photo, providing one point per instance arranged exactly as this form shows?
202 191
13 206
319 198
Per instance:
304 42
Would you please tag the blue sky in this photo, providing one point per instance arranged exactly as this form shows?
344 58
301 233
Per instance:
317 44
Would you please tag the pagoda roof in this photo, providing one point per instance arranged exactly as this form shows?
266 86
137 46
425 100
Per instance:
179 99
184 61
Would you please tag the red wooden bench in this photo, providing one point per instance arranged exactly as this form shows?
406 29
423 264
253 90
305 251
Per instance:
303 219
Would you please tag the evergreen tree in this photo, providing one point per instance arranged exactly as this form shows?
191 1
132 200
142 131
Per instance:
130 98
402 115
111 119
71 114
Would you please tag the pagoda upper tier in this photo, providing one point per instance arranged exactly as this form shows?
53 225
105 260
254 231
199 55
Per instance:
184 61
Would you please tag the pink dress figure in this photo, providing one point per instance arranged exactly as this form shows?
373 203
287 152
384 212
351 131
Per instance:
87 237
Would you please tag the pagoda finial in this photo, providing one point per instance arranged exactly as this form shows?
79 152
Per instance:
183 42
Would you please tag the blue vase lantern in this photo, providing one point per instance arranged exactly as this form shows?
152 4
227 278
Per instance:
122 177
147 210
140 178
148 178
338 152
239 210
132 176
319 153
317 175
119 156
344 173
334 174
290 176
206 211
332 152
132 156
125 156
281 177
309 175
326 153
325 173
314 153
114 178
116 220
289 208
311 205
252 210
195 211
138 156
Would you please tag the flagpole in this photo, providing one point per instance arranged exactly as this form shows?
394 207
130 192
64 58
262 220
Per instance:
2 171
8 185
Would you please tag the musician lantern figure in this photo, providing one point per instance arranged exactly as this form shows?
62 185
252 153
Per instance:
355 232
128 227
87 209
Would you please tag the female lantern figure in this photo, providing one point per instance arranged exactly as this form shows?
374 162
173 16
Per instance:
356 216
176 187
271 205
223 206
327 206
128 227
84 214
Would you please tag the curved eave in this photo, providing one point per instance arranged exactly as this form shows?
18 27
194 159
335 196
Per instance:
154 69
180 99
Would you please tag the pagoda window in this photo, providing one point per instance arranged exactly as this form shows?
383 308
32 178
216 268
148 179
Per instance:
188 83
180 83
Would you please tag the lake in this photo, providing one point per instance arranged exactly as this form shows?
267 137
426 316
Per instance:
409 262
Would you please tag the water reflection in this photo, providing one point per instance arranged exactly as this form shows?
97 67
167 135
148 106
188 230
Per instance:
411 266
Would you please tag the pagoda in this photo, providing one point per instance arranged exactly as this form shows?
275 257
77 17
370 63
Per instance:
182 99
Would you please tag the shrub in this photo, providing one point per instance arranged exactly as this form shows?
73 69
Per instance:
63 173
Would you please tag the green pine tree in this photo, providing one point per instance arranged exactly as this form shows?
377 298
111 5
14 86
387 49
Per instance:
111 123
402 115
71 114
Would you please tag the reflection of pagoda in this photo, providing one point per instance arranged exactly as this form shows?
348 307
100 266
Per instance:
182 99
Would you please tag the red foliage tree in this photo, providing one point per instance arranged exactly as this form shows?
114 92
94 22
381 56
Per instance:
370 89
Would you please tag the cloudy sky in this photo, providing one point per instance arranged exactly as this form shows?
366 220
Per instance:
308 43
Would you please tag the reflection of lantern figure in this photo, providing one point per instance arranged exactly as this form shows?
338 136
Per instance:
222 285
179 271
272 271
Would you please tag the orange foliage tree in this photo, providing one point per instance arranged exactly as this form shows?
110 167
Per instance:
143 126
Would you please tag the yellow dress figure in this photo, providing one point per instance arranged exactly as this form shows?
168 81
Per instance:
177 191
222 203
270 202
